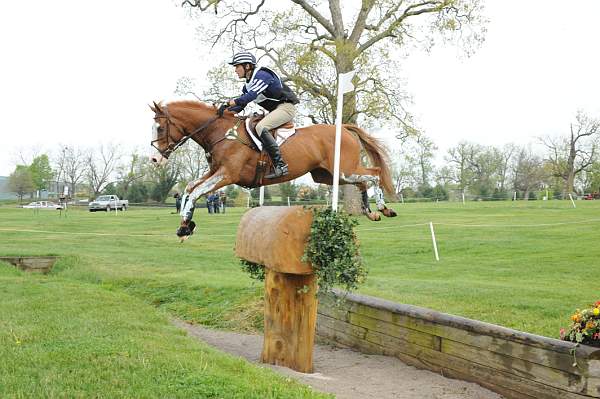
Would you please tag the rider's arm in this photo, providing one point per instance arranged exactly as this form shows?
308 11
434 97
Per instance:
261 81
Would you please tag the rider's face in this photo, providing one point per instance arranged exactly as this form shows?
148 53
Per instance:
241 72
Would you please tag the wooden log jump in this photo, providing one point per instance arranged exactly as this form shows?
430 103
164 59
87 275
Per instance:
276 237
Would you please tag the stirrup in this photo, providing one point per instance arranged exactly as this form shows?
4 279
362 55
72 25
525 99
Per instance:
278 171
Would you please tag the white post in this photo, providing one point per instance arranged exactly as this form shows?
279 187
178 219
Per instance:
344 85
261 197
572 202
115 206
402 198
515 196
288 201
435 250
248 200
463 197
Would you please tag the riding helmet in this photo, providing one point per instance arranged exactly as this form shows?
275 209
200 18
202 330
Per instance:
243 57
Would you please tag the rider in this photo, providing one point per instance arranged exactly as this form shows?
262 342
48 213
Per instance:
265 88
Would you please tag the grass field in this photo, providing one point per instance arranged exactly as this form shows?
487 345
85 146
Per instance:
98 324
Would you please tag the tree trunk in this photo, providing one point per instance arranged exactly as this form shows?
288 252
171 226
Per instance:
352 197
570 180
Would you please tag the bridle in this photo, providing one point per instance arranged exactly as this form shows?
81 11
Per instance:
173 144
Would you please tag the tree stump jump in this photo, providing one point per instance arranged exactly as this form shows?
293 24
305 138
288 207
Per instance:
276 237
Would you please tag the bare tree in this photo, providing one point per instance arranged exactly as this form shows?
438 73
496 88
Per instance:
72 163
101 164
192 161
574 153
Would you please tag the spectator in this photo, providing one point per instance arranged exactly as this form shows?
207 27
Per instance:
177 202
223 197
216 202
209 203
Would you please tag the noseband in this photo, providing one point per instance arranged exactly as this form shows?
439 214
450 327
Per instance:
173 144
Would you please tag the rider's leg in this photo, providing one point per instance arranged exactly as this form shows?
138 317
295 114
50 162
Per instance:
284 113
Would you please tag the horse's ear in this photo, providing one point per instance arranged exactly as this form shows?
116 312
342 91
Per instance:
156 107
152 108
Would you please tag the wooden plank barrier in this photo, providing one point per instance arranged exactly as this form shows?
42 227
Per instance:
275 237
512 363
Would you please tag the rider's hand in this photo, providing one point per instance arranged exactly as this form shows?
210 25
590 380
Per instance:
222 109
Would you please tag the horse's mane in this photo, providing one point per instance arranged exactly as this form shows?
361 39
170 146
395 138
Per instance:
193 104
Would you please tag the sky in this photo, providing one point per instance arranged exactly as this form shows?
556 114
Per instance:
77 72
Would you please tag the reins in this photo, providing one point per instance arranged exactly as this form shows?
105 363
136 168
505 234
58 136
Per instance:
173 145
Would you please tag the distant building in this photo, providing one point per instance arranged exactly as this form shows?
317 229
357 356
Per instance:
5 193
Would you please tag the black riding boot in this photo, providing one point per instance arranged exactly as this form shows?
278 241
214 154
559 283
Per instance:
280 168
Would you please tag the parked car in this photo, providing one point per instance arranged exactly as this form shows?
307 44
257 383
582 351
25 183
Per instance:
43 205
108 203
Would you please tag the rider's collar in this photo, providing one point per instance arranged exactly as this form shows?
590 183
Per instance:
256 68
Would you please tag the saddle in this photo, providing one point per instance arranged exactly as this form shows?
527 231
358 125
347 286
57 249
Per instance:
256 117
280 133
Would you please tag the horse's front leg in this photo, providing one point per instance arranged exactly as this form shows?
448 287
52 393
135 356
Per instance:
203 186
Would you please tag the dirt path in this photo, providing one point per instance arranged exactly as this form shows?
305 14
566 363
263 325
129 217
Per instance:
349 374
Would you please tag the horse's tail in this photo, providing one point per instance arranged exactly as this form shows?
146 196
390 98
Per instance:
378 155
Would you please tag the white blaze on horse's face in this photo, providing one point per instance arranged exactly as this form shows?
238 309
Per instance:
156 157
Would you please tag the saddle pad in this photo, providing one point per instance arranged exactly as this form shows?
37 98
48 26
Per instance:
281 135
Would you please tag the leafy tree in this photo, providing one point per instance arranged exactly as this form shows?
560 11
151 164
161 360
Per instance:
458 169
590 179
311 42
137 192
528 172
232 192
288 189
164 178
133 172
41 172
21 181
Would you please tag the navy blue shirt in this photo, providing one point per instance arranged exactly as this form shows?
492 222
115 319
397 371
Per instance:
266 89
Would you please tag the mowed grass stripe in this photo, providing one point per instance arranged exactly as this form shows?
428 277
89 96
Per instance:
67 338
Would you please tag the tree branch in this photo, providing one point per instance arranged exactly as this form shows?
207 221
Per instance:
316 15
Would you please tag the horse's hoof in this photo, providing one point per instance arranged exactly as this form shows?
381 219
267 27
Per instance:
389 212
374 216
184 232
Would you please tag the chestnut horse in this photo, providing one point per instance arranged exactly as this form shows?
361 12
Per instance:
233 158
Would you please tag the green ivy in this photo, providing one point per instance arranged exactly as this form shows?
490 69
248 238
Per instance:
255 270
332 250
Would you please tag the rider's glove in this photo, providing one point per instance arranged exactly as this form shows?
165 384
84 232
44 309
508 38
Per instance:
222 109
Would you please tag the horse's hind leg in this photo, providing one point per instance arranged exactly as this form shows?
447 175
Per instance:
379 200
362 182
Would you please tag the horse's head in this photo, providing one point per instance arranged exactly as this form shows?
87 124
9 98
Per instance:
166 134
170 129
